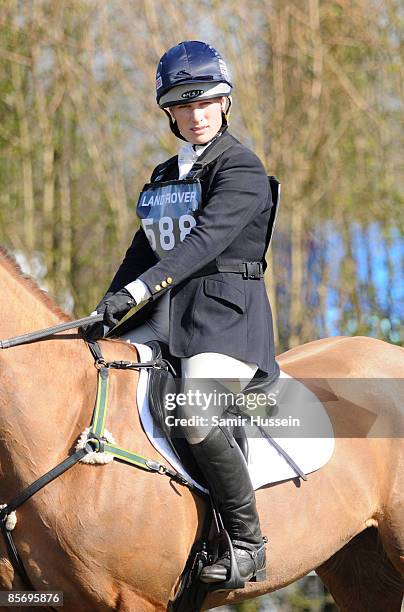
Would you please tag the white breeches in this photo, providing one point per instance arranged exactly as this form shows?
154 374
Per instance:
232 373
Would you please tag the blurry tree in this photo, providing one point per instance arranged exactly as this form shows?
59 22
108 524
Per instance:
318 90
317 96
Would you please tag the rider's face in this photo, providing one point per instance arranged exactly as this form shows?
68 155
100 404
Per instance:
199 121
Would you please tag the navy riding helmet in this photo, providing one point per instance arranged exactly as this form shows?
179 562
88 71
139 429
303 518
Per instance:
191 71
191 63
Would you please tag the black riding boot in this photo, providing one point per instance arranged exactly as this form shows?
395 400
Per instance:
225 470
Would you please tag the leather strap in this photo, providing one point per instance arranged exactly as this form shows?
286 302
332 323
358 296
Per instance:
41 482
219 146
249 269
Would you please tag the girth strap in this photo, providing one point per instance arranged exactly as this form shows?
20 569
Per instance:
15 558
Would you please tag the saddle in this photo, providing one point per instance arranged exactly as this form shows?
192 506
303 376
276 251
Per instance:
166 381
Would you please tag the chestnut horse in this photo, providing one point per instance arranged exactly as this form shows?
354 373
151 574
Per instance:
114 537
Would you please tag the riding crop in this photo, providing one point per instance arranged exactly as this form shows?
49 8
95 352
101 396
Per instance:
49 331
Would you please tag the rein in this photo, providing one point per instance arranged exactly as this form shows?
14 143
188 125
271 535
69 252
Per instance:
95 440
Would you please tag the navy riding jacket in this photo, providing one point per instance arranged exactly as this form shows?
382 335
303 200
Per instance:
219 312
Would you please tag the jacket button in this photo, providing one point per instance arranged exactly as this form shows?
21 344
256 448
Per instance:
157 288
169 280
164 284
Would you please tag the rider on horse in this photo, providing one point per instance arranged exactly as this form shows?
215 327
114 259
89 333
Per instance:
200 256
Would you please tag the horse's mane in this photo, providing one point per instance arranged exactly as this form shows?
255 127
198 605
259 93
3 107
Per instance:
9 261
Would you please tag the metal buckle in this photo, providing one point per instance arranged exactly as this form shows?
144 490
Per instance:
253 270
100 363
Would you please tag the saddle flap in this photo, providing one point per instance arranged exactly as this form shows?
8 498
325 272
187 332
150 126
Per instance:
160 383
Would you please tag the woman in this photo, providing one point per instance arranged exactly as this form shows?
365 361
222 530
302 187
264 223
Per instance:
200 256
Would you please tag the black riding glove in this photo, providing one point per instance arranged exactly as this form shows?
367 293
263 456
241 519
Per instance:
117 306
96 331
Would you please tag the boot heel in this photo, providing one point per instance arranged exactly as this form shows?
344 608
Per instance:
260 576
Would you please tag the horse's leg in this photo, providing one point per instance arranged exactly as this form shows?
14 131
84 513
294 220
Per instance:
361 577
391 523
393 542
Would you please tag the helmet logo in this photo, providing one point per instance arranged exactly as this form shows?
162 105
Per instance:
192 93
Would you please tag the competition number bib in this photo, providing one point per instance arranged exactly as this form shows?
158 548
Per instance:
166 211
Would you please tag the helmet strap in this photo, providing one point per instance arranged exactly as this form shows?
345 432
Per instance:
228 109
174 126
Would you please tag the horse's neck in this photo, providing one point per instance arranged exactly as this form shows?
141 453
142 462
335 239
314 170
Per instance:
41 384
24 307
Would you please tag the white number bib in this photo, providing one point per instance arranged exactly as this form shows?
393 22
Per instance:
166 211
